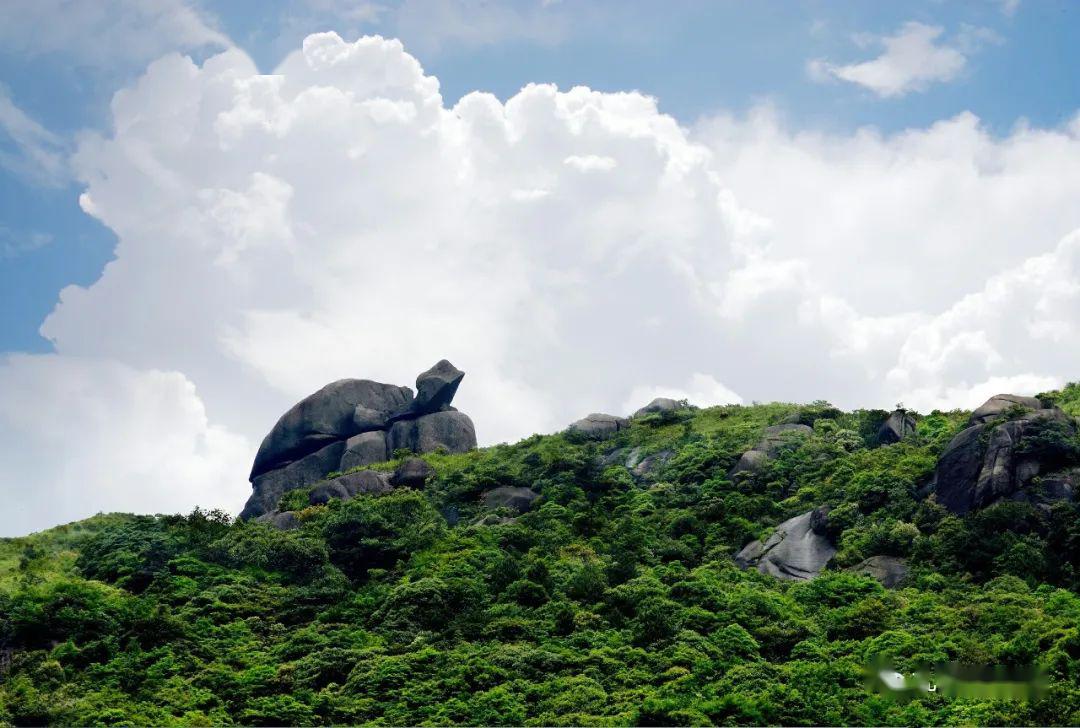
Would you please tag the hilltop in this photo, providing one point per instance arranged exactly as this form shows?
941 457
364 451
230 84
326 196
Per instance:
607 574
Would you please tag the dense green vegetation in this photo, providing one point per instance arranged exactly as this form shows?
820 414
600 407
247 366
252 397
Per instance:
615 601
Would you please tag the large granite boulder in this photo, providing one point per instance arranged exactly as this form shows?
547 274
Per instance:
998 405
324 417
599 426
353 423
326 492
365 482
412 473
268 488
367 448
795 551
660 404
515 498
993 460
773 440
899 425
436 387
450 430
284 521
891 571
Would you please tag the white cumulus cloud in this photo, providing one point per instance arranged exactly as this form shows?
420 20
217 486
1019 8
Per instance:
573 251
912 59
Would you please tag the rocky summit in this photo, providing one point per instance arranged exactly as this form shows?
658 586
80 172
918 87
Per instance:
349 424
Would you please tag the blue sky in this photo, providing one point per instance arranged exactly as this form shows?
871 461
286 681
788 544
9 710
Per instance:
863 202
697 58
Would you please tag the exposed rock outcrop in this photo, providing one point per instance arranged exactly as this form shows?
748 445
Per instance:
891 571
1000 404
900 424
352 423
323 418
285 521
412 473
660 404
993 460
515 498
798 550
599 426
772 441
640 465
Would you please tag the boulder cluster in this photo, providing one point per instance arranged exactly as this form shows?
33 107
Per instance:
1014 448
1011 450
351 423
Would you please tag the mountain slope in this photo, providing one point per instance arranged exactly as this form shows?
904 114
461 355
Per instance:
613 599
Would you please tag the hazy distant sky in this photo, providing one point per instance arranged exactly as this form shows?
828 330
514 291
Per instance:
209 210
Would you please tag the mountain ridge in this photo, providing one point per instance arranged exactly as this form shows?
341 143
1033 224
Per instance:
613 597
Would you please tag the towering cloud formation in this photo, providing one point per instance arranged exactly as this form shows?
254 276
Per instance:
569 249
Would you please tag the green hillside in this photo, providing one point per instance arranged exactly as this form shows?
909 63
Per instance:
614 601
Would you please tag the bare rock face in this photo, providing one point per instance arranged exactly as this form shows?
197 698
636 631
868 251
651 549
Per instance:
660 404
285 521
515 498
599 426
899 425
353 423
795 552
412 473
436 387
367 448
450 430
994 460
772 442
891 571
268 488
323 418
999 404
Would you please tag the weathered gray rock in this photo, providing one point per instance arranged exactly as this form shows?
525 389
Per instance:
284 521
599 426
365 482
988 462
366 419
436 387
324 417
326 492
367 448
751 461
268 488
450 430
891 571
899 425
999 404
776 437
516 498
650 465
794 552
412 473
660 404
773 440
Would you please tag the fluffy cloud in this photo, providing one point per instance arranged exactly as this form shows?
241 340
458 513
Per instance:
572 251
912 59
83 435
